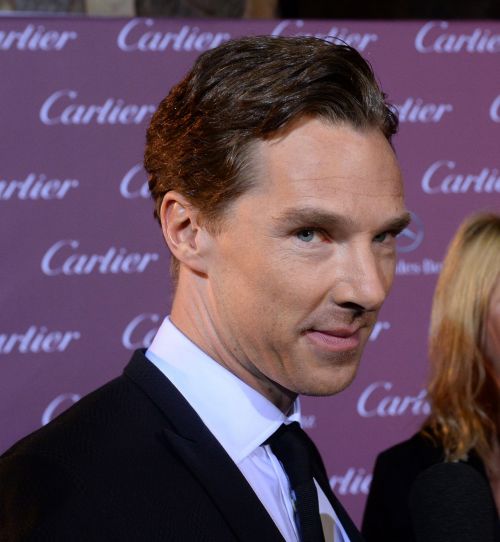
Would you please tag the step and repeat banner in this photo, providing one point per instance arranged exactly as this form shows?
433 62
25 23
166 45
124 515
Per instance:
85 272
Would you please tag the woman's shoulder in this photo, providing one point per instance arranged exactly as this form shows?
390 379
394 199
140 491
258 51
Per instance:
422 450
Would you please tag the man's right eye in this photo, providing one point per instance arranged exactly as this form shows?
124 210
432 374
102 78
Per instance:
306 235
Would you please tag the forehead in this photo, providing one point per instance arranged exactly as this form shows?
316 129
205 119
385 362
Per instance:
330 169
317 157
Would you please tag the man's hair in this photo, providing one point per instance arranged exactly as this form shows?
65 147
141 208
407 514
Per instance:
462 389
199 138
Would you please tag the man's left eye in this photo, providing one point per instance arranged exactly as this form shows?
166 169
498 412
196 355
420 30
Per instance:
381 237
306 235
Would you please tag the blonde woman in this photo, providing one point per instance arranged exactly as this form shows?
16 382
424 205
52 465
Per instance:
464 388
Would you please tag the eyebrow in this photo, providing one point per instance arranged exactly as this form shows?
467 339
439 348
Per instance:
313 217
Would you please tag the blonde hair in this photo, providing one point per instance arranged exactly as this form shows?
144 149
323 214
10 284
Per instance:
462 389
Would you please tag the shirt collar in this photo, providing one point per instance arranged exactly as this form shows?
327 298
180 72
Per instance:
239 417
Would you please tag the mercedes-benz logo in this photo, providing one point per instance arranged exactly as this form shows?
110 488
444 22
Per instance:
412 236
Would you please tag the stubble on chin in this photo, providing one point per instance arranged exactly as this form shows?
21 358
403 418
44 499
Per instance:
330 378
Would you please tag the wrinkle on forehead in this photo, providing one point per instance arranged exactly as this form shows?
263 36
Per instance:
322 160
373 189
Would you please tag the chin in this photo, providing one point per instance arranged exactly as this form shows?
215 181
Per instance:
331 383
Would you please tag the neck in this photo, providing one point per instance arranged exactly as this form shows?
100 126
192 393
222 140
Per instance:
193 314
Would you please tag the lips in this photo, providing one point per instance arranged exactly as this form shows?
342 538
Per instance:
336 340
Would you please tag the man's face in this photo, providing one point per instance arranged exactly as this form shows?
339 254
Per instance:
305 259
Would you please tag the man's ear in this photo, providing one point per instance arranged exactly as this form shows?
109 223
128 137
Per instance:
180 223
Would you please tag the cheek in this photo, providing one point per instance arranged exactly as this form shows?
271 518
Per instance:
389 271
266 300
243 288
387 259
257 272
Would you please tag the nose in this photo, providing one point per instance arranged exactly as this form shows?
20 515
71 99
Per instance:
364 280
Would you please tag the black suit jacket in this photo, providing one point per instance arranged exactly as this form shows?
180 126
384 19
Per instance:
387 513
131 461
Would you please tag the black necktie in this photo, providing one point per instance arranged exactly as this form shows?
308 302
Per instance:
290 445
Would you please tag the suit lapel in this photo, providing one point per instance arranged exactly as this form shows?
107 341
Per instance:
322 479
351 529
188 437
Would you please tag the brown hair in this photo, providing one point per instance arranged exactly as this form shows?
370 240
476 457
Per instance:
248 89
462 389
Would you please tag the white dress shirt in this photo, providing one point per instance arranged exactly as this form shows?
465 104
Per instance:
241 419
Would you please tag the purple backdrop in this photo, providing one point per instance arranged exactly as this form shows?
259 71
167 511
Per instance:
85 271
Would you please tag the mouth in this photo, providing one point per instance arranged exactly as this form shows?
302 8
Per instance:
335 340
